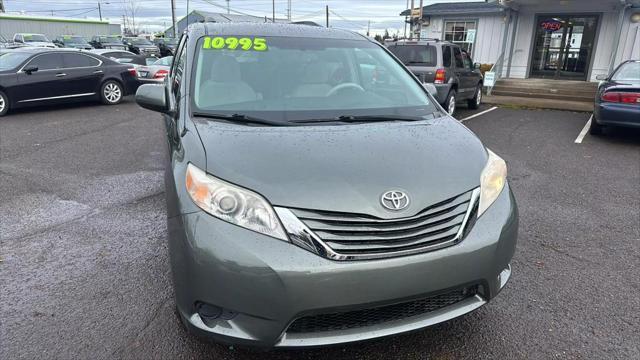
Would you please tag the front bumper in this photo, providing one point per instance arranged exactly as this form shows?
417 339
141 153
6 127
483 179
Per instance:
265 284
616 114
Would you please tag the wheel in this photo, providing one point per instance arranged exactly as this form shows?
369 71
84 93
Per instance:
450 104
475 102
111 93
595 128
4 104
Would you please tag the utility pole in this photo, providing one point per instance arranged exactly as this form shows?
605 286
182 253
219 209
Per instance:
228 8
173 18
273 9
327 12
411 17
289 10
100 10
405 22
368 27
1 6
420 21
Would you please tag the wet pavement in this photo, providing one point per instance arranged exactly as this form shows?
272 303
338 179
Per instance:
84 265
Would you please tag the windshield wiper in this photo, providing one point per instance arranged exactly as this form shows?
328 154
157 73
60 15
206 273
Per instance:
245 119
364 119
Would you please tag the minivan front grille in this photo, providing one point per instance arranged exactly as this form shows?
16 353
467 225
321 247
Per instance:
356 236
378 315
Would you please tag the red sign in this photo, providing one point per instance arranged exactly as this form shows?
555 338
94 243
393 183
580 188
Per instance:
551 25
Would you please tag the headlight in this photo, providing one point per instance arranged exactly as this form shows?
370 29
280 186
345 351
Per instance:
492 181
233 204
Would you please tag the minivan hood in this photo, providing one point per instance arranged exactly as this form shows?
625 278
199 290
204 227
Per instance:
347 168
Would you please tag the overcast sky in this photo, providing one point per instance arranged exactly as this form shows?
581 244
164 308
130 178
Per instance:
155 15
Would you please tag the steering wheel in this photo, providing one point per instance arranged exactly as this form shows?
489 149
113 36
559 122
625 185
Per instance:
339 87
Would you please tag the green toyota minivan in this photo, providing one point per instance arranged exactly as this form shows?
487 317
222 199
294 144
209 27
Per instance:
316 192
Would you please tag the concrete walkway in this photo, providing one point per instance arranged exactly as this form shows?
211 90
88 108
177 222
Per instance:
538 103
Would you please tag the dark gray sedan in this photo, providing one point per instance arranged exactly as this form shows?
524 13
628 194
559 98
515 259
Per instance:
312 201
618 99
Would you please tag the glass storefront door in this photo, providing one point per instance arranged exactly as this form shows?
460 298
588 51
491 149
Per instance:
563 46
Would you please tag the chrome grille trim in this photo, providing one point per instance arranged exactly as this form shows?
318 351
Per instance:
344 237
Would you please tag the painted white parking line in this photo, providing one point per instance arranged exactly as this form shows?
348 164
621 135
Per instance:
584 131
478 114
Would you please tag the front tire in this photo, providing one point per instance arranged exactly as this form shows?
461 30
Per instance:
111 93
450 104
476 101
595 128
4 104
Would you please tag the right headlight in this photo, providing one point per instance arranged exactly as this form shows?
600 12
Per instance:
232 203
492 181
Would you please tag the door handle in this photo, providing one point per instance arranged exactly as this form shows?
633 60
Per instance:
61 74
98 72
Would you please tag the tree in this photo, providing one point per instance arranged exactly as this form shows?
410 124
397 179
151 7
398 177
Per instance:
130 10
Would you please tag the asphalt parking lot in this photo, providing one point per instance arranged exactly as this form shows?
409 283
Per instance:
85 273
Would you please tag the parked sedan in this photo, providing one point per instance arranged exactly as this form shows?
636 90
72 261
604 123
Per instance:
155 72
73 42
38 76
618 98
122 56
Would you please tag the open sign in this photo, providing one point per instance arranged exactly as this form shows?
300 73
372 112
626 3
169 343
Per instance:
551 25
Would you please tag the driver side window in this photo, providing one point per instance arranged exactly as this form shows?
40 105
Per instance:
468 64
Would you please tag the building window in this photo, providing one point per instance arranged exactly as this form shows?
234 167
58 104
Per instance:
462 33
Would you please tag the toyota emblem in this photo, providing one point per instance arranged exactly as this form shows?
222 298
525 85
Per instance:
395 200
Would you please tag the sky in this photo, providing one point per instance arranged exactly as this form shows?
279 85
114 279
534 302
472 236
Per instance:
155 15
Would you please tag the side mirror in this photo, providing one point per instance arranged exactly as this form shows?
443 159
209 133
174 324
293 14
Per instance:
30 69
153 97
602 77
431 89
477 66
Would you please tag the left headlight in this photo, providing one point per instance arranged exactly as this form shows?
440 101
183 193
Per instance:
492 181
233 204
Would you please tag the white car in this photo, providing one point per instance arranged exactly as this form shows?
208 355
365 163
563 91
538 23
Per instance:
37 40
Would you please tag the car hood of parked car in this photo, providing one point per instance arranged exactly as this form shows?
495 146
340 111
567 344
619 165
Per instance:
347 168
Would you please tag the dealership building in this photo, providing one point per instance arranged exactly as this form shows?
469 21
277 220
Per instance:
52 27
548 39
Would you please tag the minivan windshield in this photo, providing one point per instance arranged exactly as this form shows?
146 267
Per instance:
109 39
296 79
35 38
139 41
421 55
74 40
